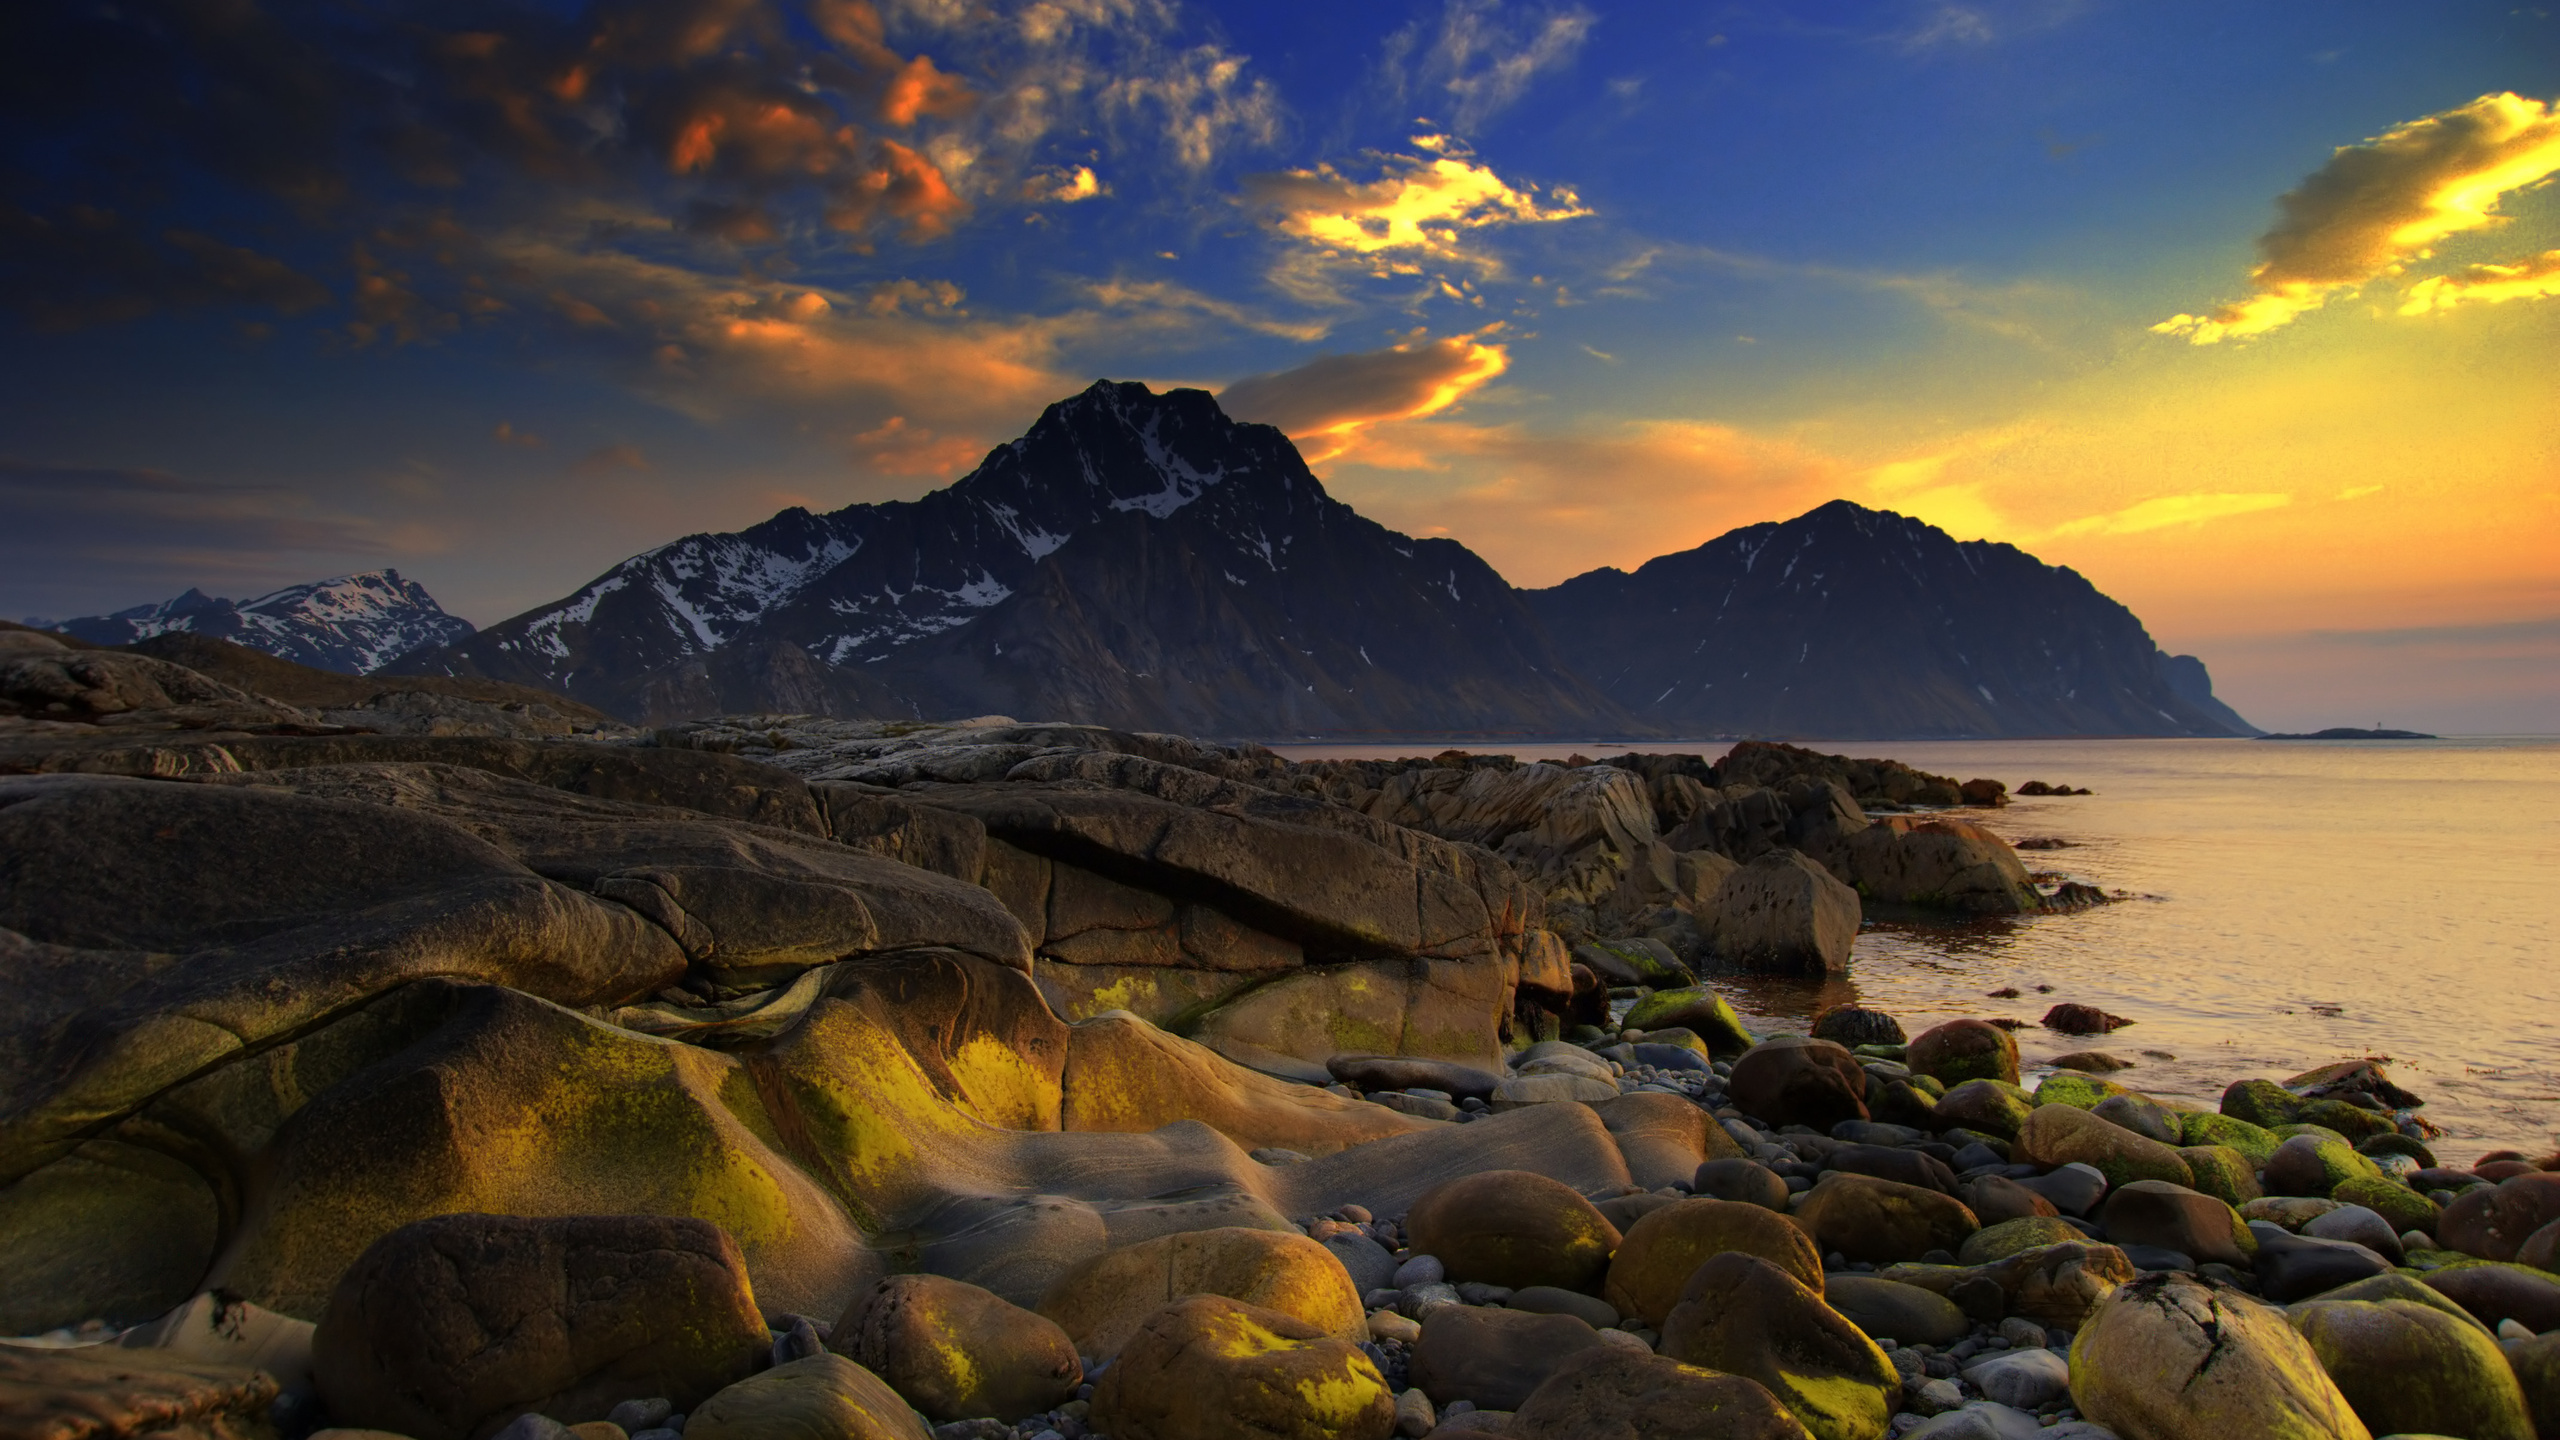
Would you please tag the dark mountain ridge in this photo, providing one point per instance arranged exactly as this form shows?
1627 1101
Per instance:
1855 623
353 624
1145 562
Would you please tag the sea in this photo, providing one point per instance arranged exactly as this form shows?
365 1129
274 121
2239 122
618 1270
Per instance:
2284 903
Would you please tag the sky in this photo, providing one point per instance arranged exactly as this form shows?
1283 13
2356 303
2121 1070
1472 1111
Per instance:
2248 312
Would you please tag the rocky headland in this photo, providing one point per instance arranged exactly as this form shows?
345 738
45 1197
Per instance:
467 1066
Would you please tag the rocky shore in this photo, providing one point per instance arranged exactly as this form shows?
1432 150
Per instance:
401 1069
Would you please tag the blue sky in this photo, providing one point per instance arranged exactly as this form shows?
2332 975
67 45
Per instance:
500 293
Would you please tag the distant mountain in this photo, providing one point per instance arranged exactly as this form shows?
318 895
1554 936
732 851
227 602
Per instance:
1856 623
355 624
1135 559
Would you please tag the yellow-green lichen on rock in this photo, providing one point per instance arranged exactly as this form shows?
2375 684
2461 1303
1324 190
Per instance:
823 1397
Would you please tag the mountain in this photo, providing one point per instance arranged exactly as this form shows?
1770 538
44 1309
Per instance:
355 624
1135 559
1850 622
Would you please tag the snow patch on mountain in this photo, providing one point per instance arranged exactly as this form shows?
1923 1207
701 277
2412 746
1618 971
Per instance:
353 624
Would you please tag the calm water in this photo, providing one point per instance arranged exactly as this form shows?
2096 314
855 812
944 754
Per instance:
2300 902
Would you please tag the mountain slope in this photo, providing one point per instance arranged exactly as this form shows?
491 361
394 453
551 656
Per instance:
1852 622
1134 559
354 624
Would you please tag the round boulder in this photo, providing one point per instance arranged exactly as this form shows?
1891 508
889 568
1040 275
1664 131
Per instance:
1744 1316
1612 1391
2312 1165
2537 1366
2492 1221
2173 1217
956 1352
1962 1050
2222 1172
817 1395
2142 1115
2412 1369
446 1327
2258 1144
1747 1181
2166 1358
1697 1009
1855 1025
2062 1134
2015 1237
1995 1198
1994 1107
1891 1310
1799 1082
1207 1367
1662 1250
2499 1291
1103 1300
1513 1228
1880 1220
1492 1355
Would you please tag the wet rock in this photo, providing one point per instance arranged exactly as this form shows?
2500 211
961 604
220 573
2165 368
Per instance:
1746 1181
1799 1082
2495 1292
1994 1107
1962 1050
1208 1367
2173 1217
1105 1300
1891 1310
1610 1393
1997 1198
2294 1267
1665 1248
1495 1358
1881 1221
2012 1237
1744 1316
1697 1009
1785 914
2090 1062
822 1395
2357 1225
445 1327
1513 1228
2262 1103
2167 1358
1856 1025
2311 1165
2062 1134
2221 1172
2491 1222
2408 1368
2076 1019
2142 1115
954 1351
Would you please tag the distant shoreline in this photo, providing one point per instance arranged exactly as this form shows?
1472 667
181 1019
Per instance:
2345 733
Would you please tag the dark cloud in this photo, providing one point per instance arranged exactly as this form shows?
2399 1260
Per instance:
86 266
86 539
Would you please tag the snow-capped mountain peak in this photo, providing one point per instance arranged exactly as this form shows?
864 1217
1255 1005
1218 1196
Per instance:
353 624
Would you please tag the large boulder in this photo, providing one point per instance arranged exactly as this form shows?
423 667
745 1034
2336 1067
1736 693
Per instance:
448 1328
1741 1315
1962 1050
1992 1106
1882 1221
1493 1356
1698 1010
2167 1358
1513 1228
2410 1368
1612 1392
1937 863
1785 914
1892 1310
955 1352
2312 1165
2496 1292
1662 1250
1104 1301
1208 1366
2063 1134
2173 1217
817 1395
2537 1366
1791 1081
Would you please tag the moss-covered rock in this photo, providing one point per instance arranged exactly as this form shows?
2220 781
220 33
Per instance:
2405 1208
2256 1142
2262 1103
1104 1301
2077 1090
2167 1358
1744 1316
1882 1221
1697 1009
821 1395
2222 1172
2010 1237
2409 1368
2537 1366
1208 1365
1513 1228
1663 1249
1994 1107
2061 1134
1962 1050
2313 1165
2351 1121
955 1351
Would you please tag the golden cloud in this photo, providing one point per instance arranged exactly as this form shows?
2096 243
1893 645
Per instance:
2381 204
2163 511
1420 209
2524 280
1325 402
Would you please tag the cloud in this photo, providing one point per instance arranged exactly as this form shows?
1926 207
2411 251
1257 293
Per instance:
610 459
1480 61
1201 102
1420 209
1322 403
2525 280
2378 206
2163 511
85 266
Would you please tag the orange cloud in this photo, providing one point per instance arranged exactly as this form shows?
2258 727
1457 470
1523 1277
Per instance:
606 459
2525 280
2377 206
896 448
904 185
1325 402
1420 209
